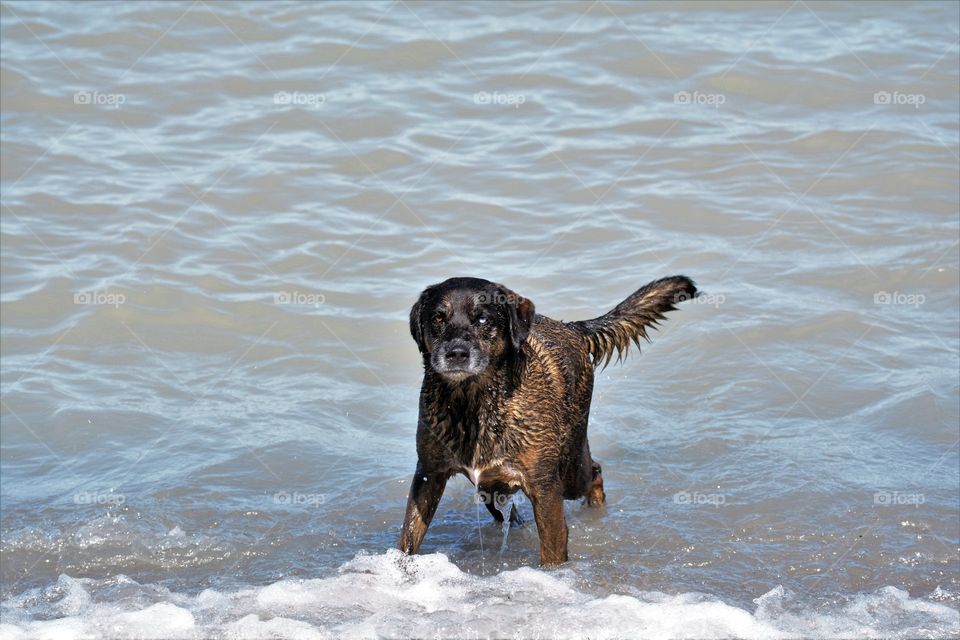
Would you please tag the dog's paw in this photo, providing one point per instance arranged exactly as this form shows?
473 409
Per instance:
595 495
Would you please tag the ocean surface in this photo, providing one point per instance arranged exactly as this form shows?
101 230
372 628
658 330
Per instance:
216 216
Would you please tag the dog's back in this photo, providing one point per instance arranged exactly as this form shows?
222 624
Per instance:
565 354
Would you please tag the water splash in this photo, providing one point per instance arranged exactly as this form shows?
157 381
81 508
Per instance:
478 499
505 507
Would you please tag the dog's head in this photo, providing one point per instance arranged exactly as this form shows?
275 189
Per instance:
465 325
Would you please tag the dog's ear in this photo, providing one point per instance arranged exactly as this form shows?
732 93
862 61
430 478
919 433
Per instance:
520 313
416 321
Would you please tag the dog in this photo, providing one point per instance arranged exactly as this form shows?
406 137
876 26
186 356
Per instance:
506 398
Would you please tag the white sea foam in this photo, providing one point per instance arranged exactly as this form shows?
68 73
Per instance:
393 596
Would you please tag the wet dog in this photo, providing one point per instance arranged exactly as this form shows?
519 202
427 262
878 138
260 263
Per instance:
506 397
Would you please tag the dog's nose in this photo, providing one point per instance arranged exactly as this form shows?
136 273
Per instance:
458 355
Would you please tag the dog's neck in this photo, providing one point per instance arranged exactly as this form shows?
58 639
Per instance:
468 394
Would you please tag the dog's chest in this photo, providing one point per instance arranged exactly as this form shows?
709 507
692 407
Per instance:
473 430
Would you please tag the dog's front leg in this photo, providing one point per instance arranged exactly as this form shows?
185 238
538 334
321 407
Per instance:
547 499
426 489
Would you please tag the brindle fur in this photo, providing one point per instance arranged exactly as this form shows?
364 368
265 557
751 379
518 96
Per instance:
505 401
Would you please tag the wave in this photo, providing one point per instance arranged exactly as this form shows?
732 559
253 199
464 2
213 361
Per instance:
393 596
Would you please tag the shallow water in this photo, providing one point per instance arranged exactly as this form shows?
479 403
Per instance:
216 217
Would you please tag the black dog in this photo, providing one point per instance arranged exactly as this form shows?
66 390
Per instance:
506 396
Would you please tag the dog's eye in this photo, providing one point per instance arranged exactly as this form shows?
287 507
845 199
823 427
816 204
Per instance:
439 319
482 319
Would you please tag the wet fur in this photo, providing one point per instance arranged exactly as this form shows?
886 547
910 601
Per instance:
507 392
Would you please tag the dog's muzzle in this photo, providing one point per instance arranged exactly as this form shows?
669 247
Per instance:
457 359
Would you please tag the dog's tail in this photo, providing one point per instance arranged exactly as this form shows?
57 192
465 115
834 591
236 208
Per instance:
630 319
